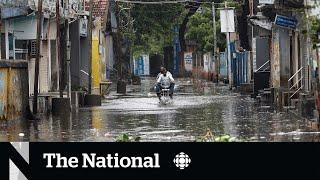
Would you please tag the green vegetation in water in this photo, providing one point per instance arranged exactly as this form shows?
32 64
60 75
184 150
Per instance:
209 137
127 138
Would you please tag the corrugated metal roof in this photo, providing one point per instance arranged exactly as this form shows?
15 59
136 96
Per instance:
13 8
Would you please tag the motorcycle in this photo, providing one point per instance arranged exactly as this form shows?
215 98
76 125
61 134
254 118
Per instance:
165 94
165 98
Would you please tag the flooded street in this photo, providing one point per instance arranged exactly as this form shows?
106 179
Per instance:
188 118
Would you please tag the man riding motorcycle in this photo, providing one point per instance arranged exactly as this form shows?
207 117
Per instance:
161 71
164 80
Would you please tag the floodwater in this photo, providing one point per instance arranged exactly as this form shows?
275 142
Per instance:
188 118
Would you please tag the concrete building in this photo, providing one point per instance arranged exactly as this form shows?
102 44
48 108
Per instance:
13 89
281 51
79 54
19 35
18 25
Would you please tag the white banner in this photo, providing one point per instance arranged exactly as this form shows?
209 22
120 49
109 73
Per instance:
227 20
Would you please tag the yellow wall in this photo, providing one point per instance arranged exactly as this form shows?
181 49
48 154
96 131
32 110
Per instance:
96 65
96 59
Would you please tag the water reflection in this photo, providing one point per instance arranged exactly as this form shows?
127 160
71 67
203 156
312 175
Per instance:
166 120
187 119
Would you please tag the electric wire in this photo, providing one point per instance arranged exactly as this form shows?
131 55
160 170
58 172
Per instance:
167 2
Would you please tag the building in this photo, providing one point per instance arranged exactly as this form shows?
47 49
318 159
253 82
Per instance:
281 51
18 41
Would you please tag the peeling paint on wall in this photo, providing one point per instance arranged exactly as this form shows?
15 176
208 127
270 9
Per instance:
3 92
13 89
275 61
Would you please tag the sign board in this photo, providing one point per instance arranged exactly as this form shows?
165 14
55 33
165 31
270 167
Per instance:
284 21
188 61
227 20
266 1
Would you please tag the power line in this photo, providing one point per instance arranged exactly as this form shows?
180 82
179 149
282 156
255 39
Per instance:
165 2
152 2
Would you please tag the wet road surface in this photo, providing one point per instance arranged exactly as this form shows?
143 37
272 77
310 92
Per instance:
188 118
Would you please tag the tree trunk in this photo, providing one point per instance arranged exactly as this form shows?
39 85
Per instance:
193 7
243 26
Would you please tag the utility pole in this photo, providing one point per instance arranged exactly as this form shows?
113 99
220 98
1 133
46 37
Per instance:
215 59
229 53
58 47
68 45
121 84
309 43
130 48
36 69
0 38
90 45
197 66
252 36
91 99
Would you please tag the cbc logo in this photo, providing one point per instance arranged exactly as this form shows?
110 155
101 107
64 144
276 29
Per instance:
182 160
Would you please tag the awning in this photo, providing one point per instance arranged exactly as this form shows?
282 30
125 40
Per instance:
262 23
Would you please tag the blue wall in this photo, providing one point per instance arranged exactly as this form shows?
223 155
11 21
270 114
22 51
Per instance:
223 65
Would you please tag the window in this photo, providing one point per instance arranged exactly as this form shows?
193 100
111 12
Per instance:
21 49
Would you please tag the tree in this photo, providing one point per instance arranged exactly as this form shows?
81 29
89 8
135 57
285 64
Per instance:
192 8
153 26
154 23
315 29
200 29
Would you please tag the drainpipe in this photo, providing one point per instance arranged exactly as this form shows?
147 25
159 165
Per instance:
90 45
6 36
